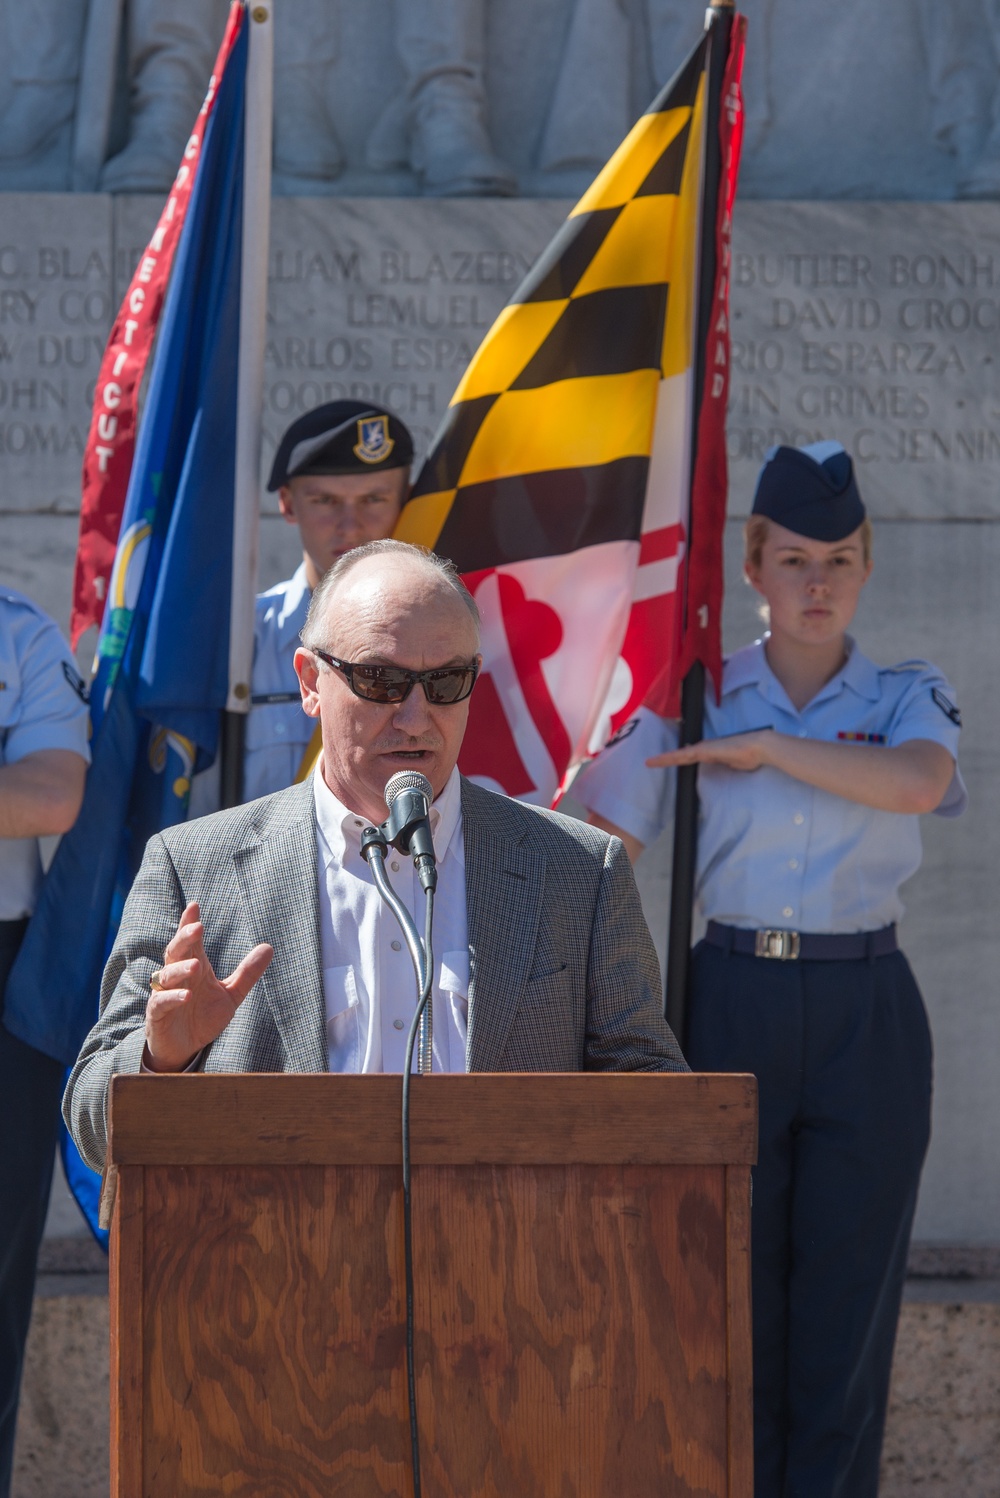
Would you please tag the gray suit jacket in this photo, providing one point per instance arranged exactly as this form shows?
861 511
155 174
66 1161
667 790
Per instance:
563 975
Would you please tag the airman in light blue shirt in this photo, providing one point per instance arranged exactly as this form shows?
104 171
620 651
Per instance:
774 851
44 753
43 706
814 768
341 473
278 731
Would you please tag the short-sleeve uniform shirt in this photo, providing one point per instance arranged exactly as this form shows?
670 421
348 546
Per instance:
278 731
773 851
43 705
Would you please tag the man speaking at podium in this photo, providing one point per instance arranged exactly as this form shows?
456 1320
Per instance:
255 939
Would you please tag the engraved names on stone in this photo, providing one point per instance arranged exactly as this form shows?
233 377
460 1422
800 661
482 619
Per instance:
876 324
55 313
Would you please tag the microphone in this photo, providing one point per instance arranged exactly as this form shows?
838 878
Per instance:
408 795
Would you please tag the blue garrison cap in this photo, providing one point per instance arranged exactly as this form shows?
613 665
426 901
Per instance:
811 491
342 437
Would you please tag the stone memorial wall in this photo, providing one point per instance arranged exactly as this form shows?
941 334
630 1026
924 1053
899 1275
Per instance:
360 305
878 324
874 323
56 309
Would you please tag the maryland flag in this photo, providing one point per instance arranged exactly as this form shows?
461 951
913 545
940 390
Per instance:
561 480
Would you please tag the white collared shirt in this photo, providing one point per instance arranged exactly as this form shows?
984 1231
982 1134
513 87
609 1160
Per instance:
368 980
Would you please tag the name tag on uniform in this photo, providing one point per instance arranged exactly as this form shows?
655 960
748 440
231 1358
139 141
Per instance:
862 738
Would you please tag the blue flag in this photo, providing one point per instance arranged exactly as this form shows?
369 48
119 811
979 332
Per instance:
162 674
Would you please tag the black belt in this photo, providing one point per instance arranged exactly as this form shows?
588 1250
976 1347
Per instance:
11 936
809 946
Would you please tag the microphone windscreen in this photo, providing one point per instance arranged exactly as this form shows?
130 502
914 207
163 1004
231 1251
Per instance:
407 780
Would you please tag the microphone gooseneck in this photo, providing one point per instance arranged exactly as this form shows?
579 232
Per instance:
373 851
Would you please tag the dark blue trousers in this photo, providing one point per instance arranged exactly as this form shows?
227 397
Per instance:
842 1055
30 1089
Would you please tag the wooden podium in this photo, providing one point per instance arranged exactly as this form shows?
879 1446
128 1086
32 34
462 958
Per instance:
581 1269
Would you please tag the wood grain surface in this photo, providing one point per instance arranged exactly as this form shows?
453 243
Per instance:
581 1276
273 1339
571 1342
125 1285
575 1331
739 1336
513 1118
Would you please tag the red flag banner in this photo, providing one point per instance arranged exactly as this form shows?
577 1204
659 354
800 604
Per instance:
701 604
107 458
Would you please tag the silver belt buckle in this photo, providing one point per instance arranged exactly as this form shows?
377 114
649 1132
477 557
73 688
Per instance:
784 945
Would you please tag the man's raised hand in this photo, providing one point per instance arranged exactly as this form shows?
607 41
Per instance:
189 1006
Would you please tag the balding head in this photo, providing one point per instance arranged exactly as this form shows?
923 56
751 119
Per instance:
392 605
387 570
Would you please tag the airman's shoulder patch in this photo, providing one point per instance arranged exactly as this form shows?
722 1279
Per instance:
624 732
948 708
76 681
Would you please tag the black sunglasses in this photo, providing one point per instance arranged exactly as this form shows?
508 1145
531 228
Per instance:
443 685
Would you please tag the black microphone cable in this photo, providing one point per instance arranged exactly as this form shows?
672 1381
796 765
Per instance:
373 848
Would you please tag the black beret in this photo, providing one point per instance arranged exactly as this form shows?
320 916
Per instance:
811 491
341 437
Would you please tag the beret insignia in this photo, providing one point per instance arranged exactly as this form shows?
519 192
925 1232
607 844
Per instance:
374 443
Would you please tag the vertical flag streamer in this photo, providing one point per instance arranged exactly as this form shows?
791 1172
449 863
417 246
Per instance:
701 604
682 686
107 457
560 480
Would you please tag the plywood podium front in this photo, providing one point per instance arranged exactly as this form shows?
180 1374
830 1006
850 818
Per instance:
581 1261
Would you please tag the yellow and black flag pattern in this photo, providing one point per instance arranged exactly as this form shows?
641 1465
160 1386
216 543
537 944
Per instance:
548 436
558 479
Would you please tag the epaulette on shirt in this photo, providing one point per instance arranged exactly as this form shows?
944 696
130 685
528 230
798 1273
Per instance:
735 662
21 600
905 666
949 708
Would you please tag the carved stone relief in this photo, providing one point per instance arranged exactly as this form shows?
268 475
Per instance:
494 98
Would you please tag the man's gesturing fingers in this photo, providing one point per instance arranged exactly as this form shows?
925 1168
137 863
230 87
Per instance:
176 975
243 977
189 1006
188 939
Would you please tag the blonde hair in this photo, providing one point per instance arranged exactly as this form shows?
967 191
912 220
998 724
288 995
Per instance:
756 530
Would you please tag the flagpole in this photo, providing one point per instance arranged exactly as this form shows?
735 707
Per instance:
719 23
250 393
